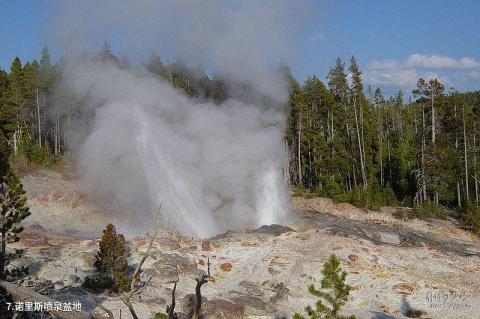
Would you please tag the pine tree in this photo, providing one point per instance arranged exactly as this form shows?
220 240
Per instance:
14 103
13 211
333 294
337 83
46 69
155 65
111 259
292 170
4 112
357 98
338 86
431 90
106 53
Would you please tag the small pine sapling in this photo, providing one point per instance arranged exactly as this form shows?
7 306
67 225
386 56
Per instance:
12 212
332 295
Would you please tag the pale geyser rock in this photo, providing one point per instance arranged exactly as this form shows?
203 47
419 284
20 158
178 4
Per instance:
269 272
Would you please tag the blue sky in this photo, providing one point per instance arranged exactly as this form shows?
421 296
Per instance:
395 42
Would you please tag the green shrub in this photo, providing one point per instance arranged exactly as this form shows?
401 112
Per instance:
319 192
31 157
298 190
375 196
372 197
40 155
402 213
389 197
331 187
358 197
428 210
309 195
37 155
471 218
342 198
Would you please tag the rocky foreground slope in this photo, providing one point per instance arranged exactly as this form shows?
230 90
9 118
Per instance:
395 267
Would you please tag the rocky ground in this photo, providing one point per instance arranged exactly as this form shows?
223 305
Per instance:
398 269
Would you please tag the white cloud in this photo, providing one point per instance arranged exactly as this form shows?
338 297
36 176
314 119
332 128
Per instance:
383 64
318 37
405 73
474 75
396 77
399 76
441 62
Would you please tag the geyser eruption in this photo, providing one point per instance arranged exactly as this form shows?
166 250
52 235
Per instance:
271 205
193 166
160 157
167 188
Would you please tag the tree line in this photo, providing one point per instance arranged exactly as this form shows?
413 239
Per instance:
343 141
356 145
36 112
32 112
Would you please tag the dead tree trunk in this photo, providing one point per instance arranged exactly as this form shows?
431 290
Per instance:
433 118
415 118
3 256
381 160
38 121
135 279
171 314
15 145
332 134
459 195
198 291
424 180
475 165
299 149
286 171
99 305
390 177
465 154
363 141
362 164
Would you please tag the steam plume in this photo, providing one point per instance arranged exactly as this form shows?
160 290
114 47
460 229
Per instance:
210 167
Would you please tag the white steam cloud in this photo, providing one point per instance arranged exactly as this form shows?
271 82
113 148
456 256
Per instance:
210 167
241 40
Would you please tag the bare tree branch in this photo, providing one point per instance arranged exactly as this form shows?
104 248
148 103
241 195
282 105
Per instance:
138 290
198 293
171 314
126 301
135 279
99 305
136 274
